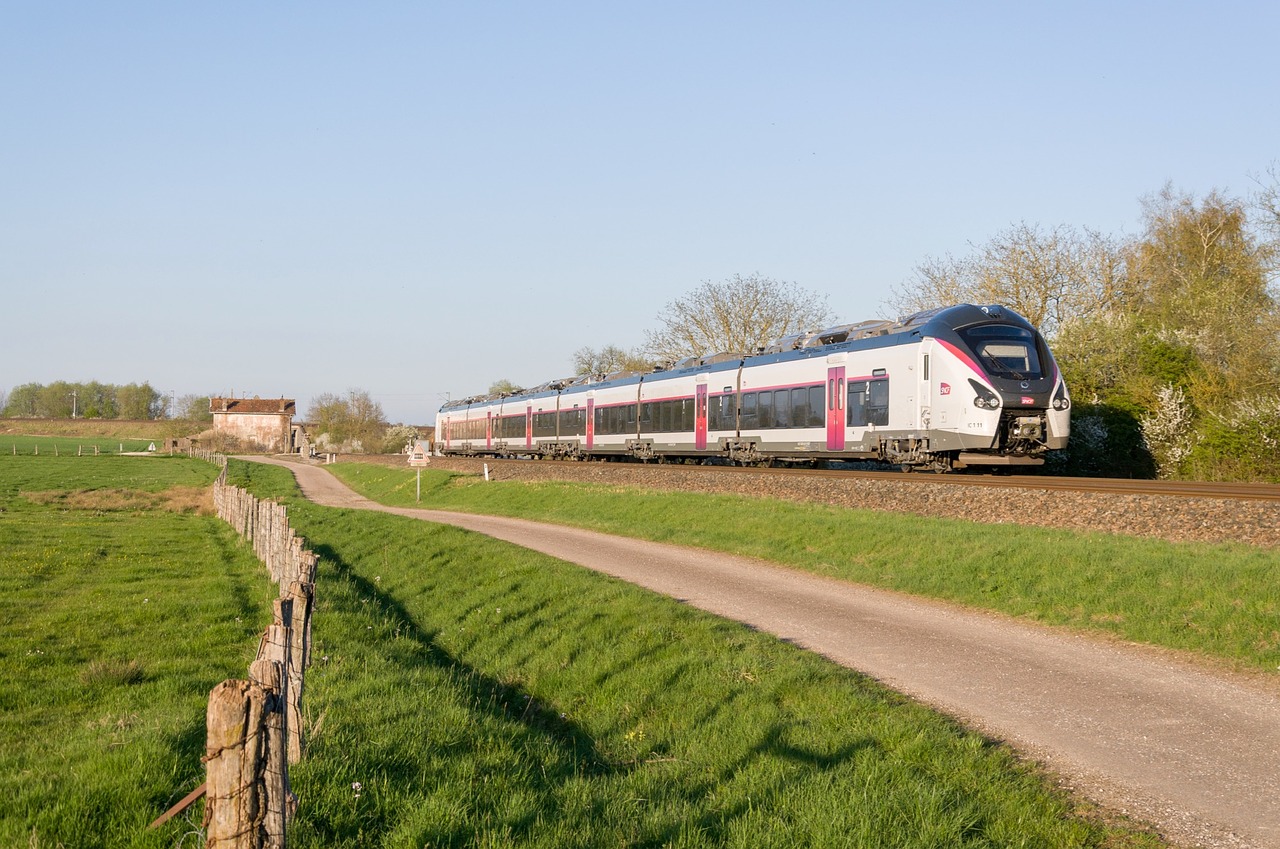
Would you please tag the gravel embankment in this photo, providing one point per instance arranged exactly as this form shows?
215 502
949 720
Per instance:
1175 518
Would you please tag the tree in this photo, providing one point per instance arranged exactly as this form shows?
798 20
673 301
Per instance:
1201 272
193 408
1047 277
739 315
136 401
355 422
503 387
1266 203
22 401
608 360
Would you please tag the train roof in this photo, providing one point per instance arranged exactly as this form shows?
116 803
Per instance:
864 335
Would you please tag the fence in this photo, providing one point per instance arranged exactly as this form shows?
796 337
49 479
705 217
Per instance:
254 726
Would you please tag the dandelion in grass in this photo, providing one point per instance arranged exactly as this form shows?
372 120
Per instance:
356 787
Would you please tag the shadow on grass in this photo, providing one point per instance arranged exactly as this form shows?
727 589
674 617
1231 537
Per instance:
546 756
483 689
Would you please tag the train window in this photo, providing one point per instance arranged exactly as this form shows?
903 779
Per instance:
800 407
816 418
749 410
868 403
878 402
727 417
924 373
766 409
1005 350
781 408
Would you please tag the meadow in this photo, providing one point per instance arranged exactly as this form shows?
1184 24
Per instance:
464 693
122 603
1218 602
72 446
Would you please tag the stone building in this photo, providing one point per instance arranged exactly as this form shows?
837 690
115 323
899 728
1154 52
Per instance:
259 423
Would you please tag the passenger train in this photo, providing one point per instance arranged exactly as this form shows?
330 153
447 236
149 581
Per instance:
962 386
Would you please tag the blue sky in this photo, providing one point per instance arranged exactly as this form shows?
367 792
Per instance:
418 199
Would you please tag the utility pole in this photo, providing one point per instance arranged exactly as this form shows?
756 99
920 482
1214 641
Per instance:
73 403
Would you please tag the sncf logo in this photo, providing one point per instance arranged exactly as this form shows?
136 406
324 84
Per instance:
1027 400
944 389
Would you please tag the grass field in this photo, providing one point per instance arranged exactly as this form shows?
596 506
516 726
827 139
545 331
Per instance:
121 606
70 446
1222 601
469 693
464 693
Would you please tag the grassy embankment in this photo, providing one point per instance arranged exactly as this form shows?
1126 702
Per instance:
1221 601
84 429
465 693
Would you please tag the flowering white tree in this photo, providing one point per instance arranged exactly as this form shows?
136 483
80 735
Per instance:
1169 431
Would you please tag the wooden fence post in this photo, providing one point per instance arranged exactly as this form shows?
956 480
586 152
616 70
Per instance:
234 808
268 674
301 601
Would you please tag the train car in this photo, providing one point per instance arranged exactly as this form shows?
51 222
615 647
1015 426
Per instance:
943 389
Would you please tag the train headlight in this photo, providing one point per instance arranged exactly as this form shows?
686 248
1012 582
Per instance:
1060 399
984 398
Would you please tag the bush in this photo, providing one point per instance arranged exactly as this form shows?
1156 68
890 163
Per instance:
1106 441
1242 444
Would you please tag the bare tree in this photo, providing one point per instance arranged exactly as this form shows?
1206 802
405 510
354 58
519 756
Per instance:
739 314
1049 277
609 359
1266 206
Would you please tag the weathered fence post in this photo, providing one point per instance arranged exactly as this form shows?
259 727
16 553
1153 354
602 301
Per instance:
267 673
300 603
234 805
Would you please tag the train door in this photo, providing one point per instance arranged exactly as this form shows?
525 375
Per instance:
835 408
700 417
837 423
591 421
528 426
488 430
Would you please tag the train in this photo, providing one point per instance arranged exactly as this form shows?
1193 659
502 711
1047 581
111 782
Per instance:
960 387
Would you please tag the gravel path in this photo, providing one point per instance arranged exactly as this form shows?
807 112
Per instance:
1194 752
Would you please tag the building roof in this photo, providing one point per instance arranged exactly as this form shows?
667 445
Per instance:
279 406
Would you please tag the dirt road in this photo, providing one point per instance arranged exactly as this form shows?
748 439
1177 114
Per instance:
1194 752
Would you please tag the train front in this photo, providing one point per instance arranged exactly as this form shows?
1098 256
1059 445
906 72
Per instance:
1011 404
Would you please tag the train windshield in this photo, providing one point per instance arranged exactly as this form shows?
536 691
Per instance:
1005 350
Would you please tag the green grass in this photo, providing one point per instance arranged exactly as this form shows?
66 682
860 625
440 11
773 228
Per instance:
70 446
121 606
466 692
1219 600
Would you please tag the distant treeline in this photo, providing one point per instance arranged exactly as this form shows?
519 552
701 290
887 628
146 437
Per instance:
93 400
